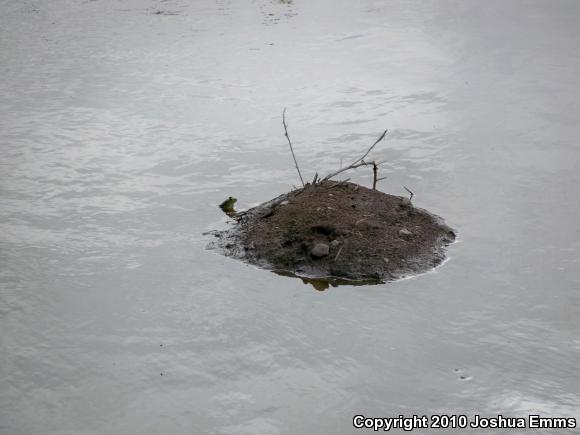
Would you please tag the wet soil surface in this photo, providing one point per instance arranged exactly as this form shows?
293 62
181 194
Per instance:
338 231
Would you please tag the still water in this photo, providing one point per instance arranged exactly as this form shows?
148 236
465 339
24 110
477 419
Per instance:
124 123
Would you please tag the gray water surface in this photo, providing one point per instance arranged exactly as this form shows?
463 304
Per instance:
124 123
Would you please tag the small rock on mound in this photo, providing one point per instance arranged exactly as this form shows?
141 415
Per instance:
338 230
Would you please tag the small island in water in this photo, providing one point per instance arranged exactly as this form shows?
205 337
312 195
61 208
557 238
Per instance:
333 232
338 231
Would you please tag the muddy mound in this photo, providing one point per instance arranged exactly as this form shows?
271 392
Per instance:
338 230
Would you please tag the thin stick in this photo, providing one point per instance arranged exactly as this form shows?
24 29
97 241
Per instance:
339 251
358 162
372 146
375 171
412 194
290 143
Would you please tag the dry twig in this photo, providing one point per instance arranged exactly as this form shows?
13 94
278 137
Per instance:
412 194
358 162
290 143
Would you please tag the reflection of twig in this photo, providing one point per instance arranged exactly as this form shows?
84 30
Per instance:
412 194
358 162
290 143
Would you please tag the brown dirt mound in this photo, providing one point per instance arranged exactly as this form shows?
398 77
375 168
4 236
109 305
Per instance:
338 231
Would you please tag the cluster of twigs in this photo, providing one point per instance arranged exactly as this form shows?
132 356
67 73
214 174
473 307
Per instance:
361 162
356 164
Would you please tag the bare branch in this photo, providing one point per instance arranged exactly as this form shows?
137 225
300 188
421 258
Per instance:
290 143
412 194
358 162
376 179
372 146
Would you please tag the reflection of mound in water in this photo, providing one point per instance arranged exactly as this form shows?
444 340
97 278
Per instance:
338 232
324 283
